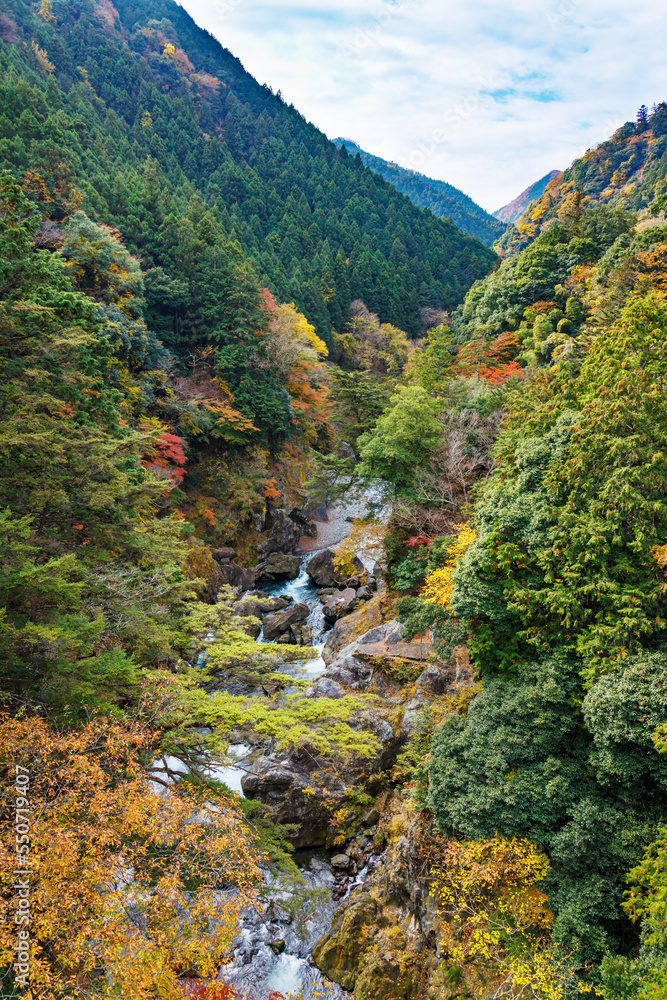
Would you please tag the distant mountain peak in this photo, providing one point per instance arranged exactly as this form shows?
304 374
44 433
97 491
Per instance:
515 209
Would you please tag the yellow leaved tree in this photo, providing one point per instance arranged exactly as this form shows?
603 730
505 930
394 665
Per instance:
496 922
132 893
438 586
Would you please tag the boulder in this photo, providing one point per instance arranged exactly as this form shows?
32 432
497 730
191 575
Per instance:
364 593
389 974
350 671
339 605
433 680
283 535
412 715
293 799
340 861
303 521
279 566
230 573
395 633
251 626
328 688
270 687
387 640
280 622
224 554
379 570
247 606
269 604
275 779
338 954
348 629
303 634
322 571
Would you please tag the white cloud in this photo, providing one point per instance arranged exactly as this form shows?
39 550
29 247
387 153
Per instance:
489 96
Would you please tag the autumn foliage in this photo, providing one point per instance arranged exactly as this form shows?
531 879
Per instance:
497 921
168 458
439 585
132 891
494 360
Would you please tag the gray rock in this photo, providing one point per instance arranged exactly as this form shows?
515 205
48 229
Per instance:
341 675
251 626
322 571
247 606
372 817
376 634
303 521
379 569
279 566
394 634
364 593
280 622
276 779
351 671
327 688
283 535
269 604
293 798
384 732
231 573
433 680
270 687
224 555
341 604
412 715
277 947
341 861
303 634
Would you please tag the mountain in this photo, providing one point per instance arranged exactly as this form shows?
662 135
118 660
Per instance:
511 212
139 111
441 198
627 171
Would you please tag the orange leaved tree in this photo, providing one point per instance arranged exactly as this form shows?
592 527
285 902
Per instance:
131 892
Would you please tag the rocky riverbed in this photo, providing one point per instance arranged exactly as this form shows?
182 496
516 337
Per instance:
361 918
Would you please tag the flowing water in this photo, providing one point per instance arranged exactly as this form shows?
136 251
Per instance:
293 916
296 916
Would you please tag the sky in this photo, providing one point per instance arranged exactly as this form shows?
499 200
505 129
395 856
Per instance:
488 96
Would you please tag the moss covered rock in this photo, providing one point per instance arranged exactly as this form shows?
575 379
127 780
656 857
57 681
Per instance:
338 953
387 975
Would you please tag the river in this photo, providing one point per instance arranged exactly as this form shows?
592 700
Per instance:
295 921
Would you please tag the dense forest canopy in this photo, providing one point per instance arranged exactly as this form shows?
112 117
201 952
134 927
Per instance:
628 170
439 197
136 111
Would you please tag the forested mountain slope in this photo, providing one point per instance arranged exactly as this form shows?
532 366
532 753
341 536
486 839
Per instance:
629 170
556 585
515 208
443 199
138 110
